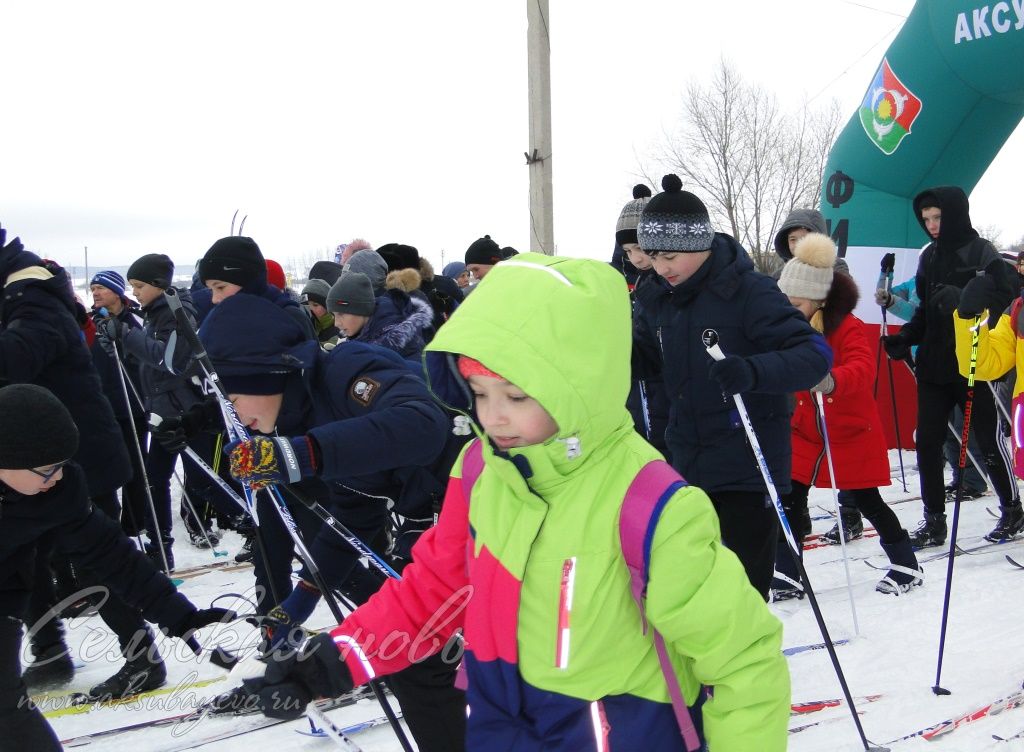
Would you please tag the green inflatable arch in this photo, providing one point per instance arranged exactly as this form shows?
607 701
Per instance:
946 96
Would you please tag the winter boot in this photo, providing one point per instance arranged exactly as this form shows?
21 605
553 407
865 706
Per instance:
51 668
786 583
138 675
196 535
931 531
1011 523
853 527
904 572
246 553
968 494
153 552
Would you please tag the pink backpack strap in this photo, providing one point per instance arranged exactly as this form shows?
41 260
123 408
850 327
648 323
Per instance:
472 466
645 500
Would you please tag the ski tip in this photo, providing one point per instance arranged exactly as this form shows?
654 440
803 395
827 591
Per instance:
940 690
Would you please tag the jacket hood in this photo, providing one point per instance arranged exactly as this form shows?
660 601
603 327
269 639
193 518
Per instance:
559 329
812 219
955 229
248 334
16 262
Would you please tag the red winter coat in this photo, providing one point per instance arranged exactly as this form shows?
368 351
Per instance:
855 434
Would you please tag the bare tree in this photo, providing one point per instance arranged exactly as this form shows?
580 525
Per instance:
748 159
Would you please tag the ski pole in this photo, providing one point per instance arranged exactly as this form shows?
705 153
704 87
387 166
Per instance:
195 515
710 340
839 511
888 265
155 420
318 509
238 431
142 461
968 404
956 435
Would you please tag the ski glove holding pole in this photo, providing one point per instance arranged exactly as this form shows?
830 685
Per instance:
110 332
176 431
896 346
974 300
284 621
295 678
734 374
826 386
883 295
263 461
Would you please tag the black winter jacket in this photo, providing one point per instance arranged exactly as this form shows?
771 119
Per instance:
41 343
946 265
165 363
91 539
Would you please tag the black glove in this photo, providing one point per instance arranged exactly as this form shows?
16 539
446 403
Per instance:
943 299
295 678
174 433
976 296
888 263
896 346
734 374
109 332
203 617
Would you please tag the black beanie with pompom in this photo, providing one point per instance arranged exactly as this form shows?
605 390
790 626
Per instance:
674 221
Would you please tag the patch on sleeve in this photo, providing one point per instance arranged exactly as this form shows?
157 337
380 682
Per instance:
364 390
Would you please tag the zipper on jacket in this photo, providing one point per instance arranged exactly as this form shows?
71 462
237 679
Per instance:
564 613
661 344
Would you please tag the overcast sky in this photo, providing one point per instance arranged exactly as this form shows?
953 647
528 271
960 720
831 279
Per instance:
133 127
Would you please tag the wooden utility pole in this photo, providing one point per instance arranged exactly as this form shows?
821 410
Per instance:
542 220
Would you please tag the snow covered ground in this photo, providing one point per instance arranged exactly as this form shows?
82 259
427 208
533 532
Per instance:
894 654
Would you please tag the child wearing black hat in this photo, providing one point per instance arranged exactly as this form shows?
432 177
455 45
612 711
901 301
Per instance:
481 256
43 495
707 287
164 368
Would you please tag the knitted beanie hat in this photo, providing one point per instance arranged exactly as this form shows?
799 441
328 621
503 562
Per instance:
674 221
352 293
236 260
484 252
372 265
36 430
809 274
111 280
453 270
276 275
316 291
328 271
155 269
629 217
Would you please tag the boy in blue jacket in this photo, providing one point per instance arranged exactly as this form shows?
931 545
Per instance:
708 287
358 420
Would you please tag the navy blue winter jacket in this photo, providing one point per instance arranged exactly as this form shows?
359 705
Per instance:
753 319
42 343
